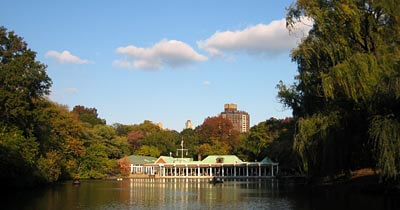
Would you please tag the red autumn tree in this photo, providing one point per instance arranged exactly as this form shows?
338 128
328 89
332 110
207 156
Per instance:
135 139
218 128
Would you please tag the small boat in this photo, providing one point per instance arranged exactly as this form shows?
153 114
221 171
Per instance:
76 182
215 181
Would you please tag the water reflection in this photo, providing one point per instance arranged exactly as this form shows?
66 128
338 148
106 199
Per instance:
190 194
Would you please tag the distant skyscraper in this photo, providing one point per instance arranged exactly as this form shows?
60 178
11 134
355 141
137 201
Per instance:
189 124
239 119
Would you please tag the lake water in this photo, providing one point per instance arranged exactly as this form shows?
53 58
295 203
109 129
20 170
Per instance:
190 194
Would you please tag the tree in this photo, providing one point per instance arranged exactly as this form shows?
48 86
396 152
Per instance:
116 146
49 166
191 140
60 136
203 150
124 166
135 139
147 127
217 128
95 164
23 82
146 150
165 141
346 98
17 157
122 130
88 115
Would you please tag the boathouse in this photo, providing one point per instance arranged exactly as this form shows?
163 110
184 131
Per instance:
224 166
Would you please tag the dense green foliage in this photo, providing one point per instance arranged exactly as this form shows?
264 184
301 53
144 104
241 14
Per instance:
346 98
88 115
23 81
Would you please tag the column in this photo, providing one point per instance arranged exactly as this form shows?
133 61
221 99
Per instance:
163 171
272 169
198 170
210 171
259 170
175 169
247 169
234 170
187 171
131 168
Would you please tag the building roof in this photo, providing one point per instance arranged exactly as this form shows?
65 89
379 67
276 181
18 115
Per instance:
168 159
227 159
164 159
138 159
211 159
266 160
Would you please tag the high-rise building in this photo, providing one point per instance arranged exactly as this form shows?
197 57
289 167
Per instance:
239 119
189 124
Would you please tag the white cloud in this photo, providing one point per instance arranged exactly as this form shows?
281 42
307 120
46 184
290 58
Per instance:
270 39
66 57
71 90
206 83
170 53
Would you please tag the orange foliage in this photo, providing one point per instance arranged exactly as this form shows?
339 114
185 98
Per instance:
124 166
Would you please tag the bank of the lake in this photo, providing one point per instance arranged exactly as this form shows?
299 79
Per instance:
191 194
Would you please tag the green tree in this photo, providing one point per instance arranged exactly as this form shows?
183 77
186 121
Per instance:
122 130
95 164
346 97
165 141
191 140
18 156
23 82
147 128
203 150
49 166
58 133
146 150
88 115
116 146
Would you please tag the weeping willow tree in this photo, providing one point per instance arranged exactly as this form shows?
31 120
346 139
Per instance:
346 98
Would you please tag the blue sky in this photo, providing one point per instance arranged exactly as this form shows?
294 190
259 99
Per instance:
165 61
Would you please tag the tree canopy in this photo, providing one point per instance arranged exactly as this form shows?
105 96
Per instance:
346 98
